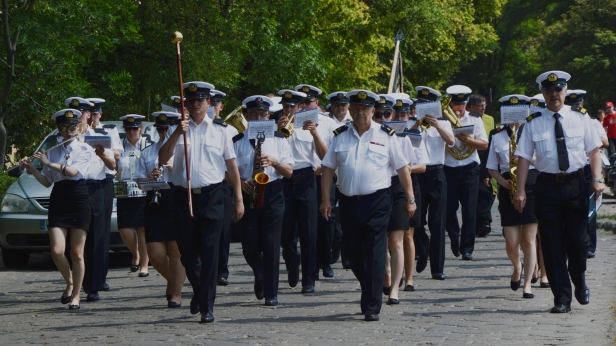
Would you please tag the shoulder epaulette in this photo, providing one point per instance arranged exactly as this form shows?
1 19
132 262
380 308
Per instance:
387 129
533 116
238 137
403 134
220 122
579 109
340 130
101 131
109 126
279 134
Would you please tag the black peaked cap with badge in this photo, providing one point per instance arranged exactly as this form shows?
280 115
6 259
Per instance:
78 103
131 120
553 79
512 100
197 90
258 102
363 97
459 93
338 97
385 102
309 90
64 116
427 94
291 97
165 118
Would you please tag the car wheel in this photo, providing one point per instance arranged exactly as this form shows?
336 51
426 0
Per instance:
15 258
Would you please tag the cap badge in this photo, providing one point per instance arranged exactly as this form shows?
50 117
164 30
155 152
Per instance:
75 103
259 100
305 89
288 95
162 117
340 95
192 87
68 114
130 120
425 92
399 103
552 77
534 102
362 95
513 100
176 100
382 100
573 96
460 96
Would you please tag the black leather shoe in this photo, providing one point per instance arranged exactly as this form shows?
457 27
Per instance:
455 249
393 301
328 272
259 289
105 287
74 307
66 299
308 289
386 290
409 288
222 282
194 305
293 276
172 304
560 309
484 230
544 284
168 296
92 297
534 280
467 256
371 316
583 295
528 295
438 276
421 264
515 284
591 254
143 275
271 301
134 268
346 264
207 318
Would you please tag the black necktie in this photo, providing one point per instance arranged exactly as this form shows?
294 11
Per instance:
561 146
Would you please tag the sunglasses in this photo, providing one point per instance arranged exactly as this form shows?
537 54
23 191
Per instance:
70 128
131 128
161 129
556 88
380 115
308 101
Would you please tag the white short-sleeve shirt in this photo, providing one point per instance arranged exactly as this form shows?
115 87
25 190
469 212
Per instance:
479 132
276 147
435 145
75 154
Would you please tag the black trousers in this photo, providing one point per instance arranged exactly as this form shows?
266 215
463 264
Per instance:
225 236
325 229
485 199
300 221
364 230
108 192
94 249
592 223
261 234
462 187
199 240
562 211
337 240
433 208
612 148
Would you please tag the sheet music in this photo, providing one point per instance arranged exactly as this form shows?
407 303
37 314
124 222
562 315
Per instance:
415 139
93 141
467 130
266 126
397 126
432 108
514 114
303 116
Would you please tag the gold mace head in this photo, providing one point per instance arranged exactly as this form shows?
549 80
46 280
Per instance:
177 37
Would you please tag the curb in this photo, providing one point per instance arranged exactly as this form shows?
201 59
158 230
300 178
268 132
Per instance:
608 225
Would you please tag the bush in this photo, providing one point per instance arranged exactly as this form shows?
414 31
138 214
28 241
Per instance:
5 182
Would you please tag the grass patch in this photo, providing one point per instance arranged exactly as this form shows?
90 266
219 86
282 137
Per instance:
608 217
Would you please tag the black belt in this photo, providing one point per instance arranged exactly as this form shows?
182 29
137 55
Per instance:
92 181
361 197
200 190
109 176
561 178
433 167
302 170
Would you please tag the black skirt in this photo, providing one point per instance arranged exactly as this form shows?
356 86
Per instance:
131 212
397 218
509 215
159 219
415 221
69 205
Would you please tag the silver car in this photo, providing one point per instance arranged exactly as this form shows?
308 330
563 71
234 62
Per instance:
23 213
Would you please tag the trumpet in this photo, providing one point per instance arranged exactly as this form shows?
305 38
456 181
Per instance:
154 202
17 168
288 128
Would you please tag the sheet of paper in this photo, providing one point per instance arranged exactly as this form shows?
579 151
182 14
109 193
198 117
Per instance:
415 139
605 160
303 116
431 108
397 126
599 203
514 114
592 207
467 130
93 141
266 126
535 109
154 185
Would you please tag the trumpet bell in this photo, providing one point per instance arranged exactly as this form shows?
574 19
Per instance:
237 120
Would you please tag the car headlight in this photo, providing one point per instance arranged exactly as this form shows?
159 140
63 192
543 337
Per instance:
14 204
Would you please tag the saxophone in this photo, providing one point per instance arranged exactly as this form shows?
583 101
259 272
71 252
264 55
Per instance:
260 179
513 164
464 151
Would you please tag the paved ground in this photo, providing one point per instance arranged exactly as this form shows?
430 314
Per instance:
473 306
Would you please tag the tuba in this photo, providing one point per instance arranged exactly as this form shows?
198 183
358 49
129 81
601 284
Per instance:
260 179
288 128
464 151
513 164
237 120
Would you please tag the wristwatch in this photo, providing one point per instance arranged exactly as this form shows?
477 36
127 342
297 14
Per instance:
277 164
48 164
411 201
598 180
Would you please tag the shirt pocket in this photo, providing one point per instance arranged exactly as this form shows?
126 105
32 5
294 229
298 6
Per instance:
543 142
213 142
574 138
503 152
378 155
343 154
243 160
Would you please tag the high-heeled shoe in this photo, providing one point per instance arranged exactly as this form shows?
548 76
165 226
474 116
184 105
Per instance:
516 284
544 284
74 307
386 290
528 295
534 280
172 304
393 301
66 299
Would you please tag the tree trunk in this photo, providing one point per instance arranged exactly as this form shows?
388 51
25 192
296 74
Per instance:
2 143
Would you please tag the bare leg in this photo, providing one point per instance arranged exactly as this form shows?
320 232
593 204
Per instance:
157 253
409 256
527 242
78 242
176 271
143 250
129 237
57 240
387 276
397 260
544 275
512 241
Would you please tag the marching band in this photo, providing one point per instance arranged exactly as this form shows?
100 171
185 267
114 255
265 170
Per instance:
374 180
